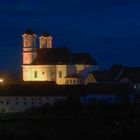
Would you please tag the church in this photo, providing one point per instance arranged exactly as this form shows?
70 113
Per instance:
59 65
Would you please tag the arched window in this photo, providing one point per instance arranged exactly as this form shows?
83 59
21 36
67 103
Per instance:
60 74
35 74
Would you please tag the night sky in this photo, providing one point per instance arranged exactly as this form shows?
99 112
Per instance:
108 29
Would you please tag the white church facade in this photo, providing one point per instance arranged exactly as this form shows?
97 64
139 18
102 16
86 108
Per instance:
47 63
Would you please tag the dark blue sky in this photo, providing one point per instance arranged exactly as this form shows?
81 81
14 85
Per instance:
107 29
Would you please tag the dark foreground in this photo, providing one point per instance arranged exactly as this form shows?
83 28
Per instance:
67 127
70 119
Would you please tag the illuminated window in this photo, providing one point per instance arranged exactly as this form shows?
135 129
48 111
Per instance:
70 81
35 74
43 73
60 74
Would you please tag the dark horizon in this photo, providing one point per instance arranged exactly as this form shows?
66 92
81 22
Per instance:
108 30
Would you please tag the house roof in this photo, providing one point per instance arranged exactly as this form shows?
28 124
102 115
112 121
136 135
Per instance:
83 58
52 56
108 75
103 75
132 73
117 73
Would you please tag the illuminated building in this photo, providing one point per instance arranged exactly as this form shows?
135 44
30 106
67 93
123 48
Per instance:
58 65
53 64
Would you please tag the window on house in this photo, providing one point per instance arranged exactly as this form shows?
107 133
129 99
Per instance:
43 73
70 81
74 81
60 74
35 74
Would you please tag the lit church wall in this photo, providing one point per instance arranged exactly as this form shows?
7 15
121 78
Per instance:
61 72
47 73
39 73
28 57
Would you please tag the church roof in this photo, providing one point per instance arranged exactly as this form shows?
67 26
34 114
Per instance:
83 58
52 56
62 56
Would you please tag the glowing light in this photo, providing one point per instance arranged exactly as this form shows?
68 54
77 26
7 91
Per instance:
1 80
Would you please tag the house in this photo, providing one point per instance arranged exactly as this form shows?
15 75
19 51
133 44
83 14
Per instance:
117 73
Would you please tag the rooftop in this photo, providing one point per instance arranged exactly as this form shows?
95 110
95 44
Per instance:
61 56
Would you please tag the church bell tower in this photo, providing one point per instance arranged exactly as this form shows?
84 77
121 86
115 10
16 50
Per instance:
45 41
29 47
